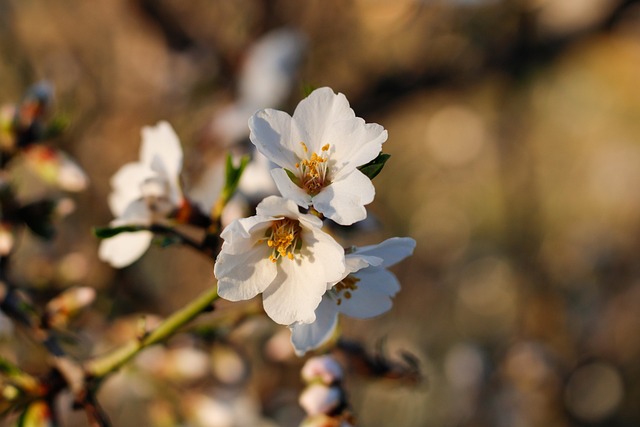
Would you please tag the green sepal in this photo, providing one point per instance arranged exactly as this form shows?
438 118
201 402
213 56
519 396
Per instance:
106 232
307 88
374 167
56 126
292 176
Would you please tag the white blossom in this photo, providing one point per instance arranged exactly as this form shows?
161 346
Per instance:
364 291
282 254
144 192
318 151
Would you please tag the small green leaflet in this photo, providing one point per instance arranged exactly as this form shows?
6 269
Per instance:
233 175
106 232
373 168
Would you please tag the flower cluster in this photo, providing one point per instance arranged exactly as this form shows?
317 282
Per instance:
322 161
144 192
304 275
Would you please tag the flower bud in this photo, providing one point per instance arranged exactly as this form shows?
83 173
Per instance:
324 368
67 304
320 399
55 168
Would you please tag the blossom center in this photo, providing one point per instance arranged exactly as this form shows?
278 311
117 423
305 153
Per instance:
345 287
155 193
313 169
284 238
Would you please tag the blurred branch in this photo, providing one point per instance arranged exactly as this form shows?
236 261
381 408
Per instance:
102 366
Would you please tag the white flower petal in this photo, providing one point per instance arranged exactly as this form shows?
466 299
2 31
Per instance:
136 212
309 336
272 133
161 147
276 206
243 276
343 201
268 73
317 114
126 185
355 262
371 297
71 177
295 293
356 143
322 249
288 189
297 290
161 150
242 234
124 248
378 279
392 250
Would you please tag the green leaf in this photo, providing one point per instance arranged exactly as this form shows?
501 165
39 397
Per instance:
106 232
374 167
233 175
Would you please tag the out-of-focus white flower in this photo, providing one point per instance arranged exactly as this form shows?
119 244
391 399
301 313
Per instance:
324 368
320 399
282 254
144 192
55 167
270 68
364 292
265 80
318 151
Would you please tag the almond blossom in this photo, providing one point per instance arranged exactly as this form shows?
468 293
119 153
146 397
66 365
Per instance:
318 151
282 254
144 192
364 291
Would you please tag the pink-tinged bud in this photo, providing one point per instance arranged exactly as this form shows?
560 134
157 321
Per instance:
323 368
55 168
67 304
320 399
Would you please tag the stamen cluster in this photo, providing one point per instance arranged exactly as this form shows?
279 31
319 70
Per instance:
313 170
284 238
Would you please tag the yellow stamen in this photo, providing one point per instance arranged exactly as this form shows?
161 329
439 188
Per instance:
347 284
283 238
313 170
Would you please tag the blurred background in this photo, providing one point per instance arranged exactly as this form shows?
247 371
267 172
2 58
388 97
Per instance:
514 131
